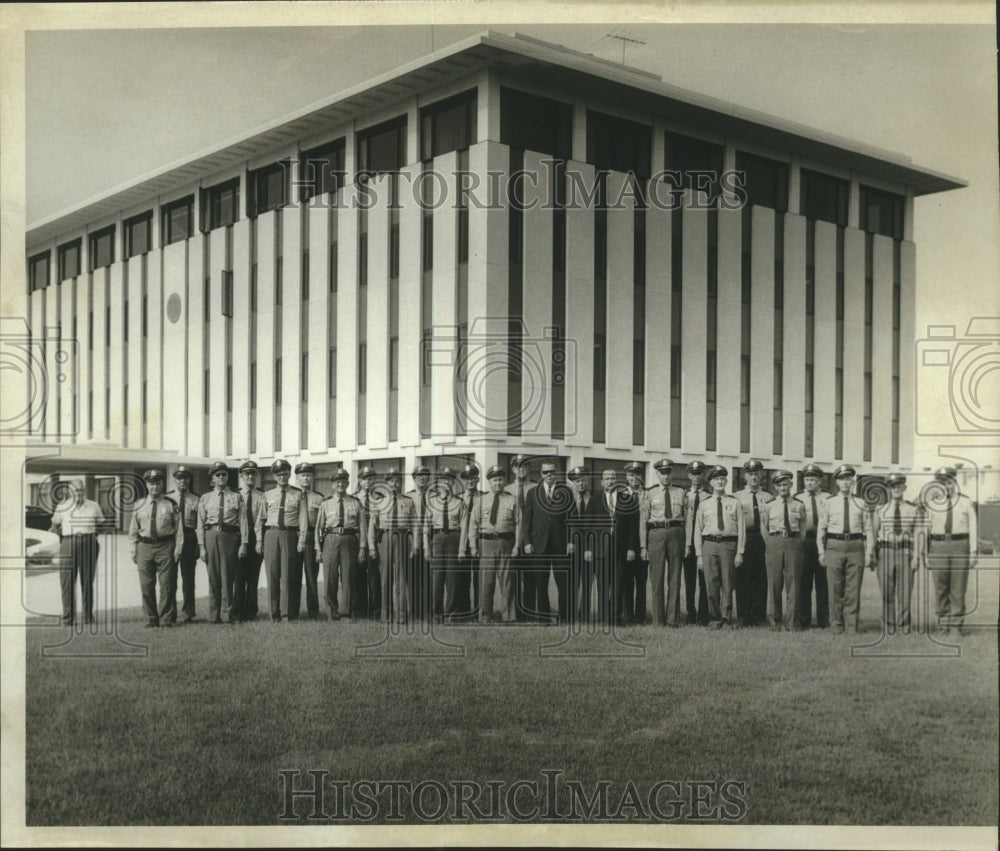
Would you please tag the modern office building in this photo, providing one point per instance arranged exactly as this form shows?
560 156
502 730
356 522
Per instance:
504 247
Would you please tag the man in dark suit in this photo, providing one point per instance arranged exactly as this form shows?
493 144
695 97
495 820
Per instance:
592 536
631 571
546 512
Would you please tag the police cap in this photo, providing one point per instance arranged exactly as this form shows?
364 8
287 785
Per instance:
663 465
304 467
894 479
281 466
696 468
812 470
338 474
471 471
366 472
844 471
248 465
752 466
577 473
421 470
943 474
718 471
782 476
218 467
633 467
182 472
152 476
495 472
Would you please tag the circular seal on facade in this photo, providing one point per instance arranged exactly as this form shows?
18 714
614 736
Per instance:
174 307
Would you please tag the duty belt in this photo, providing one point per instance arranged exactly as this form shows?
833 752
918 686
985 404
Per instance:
223 527
282 528
783 534
161 540
496 536
964 536
664 524
340 530
721 539
837 536
810 533
896 545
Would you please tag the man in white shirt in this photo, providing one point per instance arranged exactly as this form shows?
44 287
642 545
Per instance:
77 521
953 549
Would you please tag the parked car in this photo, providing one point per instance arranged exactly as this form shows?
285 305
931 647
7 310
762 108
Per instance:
41 547
36 517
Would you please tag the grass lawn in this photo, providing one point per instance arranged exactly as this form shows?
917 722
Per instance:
197 731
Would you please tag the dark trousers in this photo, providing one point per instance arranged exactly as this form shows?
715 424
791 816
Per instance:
694 578
310 572
465 602
632 577
369 585
284 572
187 565
247 579
895 580
444 576
813 573
78 555
157 569
751 582
535 570
221 549
394 561
418 583
340 566
666 561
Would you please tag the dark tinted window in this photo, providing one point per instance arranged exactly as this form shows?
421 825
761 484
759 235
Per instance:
448 125
69 259
267 188
614 144
881 212
824 198
220 205
178 220
38 271
102 248
534 123
689 156
321 170
765 181
382 148
138 234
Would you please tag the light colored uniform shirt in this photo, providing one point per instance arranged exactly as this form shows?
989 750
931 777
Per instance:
911 522
168 521
232 514
73 519
963 519
689 510
328 517
707 523
256 497
469 499
434 516
479 520
187 504
807 499
313 499
296 512
383 512
745 497
831 521
772 516
653 508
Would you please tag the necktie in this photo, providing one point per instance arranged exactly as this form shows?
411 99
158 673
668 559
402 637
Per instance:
423 505
697 500
611 505
847 516
668 509
340 512
281 510
222 504
395 512
495 510
249 509
520 498
152 520
948 519
812 498
788 524
718 514
756 512
898 521
586 502
444 524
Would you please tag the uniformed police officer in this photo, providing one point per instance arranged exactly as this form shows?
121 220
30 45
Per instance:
284 529
899 538
367 584
719 542
694 578
520 466
493 521
812 573
783 519
582 546
305 474
661 542
340 538
632 572
248 565
845 543
953 549
187 504
468 582
751 580
441 533
157 537
392 527
222 539
418 582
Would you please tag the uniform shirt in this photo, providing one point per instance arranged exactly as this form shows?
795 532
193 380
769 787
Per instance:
232 514
314 499
831 520
187 504
168 521
381 517
910 521
434 516
745 497
469 499
520 491
73 519
733 523
653 508
255 496
689 510
807 500
296 512
479 520
772 515
328 517
963 519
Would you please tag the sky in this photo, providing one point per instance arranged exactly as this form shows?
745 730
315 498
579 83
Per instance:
104 106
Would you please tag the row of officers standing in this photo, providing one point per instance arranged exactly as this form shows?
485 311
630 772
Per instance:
450 551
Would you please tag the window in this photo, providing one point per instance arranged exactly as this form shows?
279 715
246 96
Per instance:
881 212
138 234
38 271
220 205
534 123
69 259
102 248
614 144
321 170
178 220
448 125
824 198
382 148
692 158
227 293
267 188
765 181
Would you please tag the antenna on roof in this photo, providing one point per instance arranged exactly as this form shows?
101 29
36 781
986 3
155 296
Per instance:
625 39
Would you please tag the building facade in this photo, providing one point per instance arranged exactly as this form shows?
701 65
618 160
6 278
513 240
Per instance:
506 247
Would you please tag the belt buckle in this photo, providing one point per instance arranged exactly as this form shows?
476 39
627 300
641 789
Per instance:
219 528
